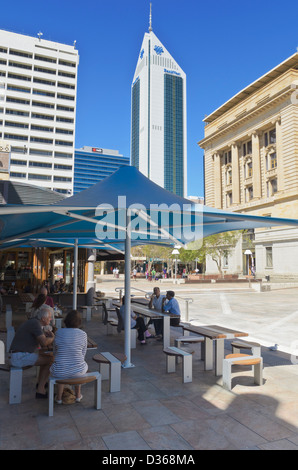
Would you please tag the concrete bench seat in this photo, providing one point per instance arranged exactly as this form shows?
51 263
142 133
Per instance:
186 356
239 344
84 379
244 360
110 368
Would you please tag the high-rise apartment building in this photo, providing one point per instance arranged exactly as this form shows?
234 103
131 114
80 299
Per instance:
158 117
38 82
93 164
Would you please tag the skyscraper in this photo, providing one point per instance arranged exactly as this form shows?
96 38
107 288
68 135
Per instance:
158 116
38 80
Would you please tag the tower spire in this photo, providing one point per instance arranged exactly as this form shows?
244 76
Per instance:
150 19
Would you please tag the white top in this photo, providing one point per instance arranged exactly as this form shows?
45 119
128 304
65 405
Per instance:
69 347
157 302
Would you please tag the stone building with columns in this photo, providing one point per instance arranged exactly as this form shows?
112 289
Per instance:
251 166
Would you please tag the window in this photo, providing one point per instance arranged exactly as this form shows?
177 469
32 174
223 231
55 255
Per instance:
40 164
249 193
229 199
41 140
15 174
19 77
65 97
41 128
66 85
58 166
18 162
247 148
248 169
64 108
63 119
62 178
16 124
43 93
269 257
45 59
64 131
65 74
41 153
20 53
229 176
15 137
63 142
16 112
19 65
272 160
44 82
270 137
18 88
42 116
68 64
63 155
228 157
10 99
33 176
271 187
42 105
43 70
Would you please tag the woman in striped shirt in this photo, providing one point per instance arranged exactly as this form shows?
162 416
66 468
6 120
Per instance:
70 346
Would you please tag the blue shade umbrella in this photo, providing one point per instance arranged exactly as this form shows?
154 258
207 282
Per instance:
122 210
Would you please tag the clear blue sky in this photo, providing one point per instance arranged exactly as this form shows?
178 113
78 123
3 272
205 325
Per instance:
222 46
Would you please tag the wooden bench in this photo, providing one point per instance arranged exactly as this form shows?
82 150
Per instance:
239 344
110 368
190 340
87 378
244 360
186 356
15 382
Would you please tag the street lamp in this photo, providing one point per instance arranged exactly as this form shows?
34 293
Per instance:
248 253
175 252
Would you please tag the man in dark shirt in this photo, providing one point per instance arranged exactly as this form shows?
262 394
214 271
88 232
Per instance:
24 348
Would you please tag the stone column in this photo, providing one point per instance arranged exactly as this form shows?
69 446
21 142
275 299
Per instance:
279 155
256 165
235 173
217 181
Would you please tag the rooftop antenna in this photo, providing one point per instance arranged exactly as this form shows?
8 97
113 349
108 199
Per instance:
74 43
39 34
150 19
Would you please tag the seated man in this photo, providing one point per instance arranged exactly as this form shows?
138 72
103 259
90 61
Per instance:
172 306
24 348
135 322
49 301
156 300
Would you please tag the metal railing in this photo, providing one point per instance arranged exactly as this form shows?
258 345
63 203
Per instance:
187 300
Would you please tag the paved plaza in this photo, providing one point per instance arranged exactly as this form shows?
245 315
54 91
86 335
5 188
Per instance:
155 411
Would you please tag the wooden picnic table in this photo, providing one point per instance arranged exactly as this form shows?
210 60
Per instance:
153 314
216 334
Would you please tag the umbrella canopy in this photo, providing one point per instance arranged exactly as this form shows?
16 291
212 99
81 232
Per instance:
124 209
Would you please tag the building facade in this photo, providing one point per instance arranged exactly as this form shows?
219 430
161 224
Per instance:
38 83
93 164
158 117
251 166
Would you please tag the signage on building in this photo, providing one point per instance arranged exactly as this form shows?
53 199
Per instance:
97 150
4 146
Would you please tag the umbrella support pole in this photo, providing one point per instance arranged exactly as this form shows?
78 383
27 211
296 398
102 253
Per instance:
127 363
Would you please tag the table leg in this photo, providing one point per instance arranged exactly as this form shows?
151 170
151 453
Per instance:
219 355
166 331
208 354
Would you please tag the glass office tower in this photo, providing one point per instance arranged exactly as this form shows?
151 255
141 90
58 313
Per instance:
158 117
93 164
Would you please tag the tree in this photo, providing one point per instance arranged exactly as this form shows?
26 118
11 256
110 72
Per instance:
219 245
152 252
